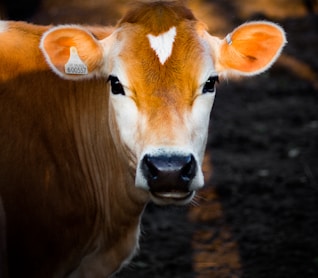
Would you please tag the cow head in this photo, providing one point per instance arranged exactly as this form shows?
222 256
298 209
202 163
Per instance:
162 66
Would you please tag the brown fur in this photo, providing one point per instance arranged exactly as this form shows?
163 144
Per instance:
3 243
63 184
157 16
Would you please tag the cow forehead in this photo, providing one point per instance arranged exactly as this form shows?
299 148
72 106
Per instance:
158 16
163 63
161 48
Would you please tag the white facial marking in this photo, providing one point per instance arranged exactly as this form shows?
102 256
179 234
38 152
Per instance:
163 44
127 116
3 26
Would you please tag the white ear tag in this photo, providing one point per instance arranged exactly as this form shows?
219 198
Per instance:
228 39
75 65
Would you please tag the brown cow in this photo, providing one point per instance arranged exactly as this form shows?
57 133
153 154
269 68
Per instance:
97 121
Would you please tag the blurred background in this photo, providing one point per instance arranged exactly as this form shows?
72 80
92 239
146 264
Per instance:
257 217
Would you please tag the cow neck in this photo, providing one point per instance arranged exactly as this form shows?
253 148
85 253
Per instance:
110 179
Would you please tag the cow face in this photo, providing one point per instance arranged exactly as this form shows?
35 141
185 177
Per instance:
162 102
162 86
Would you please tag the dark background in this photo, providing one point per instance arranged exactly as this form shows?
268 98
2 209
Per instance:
257 217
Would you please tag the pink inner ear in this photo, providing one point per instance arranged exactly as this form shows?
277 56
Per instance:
57 42
252 48
56 53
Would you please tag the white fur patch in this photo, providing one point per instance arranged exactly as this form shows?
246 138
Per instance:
163 44
3 26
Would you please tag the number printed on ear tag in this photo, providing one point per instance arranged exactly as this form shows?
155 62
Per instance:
75 65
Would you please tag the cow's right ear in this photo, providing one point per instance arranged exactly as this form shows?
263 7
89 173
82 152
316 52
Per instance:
72 52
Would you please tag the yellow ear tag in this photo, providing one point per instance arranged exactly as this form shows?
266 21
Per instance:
75 65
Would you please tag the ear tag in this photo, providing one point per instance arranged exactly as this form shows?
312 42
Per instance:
228 39
75 65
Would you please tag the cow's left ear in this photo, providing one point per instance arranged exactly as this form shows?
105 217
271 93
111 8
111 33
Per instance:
250 49
72 52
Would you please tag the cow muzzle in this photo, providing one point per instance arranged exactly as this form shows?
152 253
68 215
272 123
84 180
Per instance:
169 177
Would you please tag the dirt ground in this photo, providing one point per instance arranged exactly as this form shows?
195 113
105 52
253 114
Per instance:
257 216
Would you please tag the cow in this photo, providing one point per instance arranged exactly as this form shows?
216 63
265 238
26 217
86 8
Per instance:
97 121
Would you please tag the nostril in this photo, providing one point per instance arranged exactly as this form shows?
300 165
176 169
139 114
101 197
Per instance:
189 168
150 168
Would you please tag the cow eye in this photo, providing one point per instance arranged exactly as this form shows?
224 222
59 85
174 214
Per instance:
116 87
209 86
